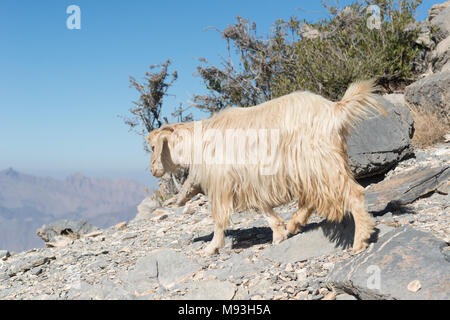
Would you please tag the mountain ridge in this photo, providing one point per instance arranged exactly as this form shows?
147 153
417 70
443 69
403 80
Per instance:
28 201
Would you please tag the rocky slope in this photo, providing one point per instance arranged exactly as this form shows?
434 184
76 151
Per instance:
158 254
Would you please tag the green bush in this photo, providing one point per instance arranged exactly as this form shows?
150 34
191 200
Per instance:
343 49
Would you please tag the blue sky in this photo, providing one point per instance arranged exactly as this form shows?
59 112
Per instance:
61 90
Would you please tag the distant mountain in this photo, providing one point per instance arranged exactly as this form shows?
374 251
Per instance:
27 202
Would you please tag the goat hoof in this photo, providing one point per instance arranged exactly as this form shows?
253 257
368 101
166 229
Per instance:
359 247
279 237
211 250
292 228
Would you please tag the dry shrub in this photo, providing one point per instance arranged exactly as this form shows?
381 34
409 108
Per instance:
430 127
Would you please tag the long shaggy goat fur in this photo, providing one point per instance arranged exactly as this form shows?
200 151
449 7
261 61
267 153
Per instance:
312 163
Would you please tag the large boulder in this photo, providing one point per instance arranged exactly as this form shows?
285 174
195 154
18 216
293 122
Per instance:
377 144
405 188
403 264
431 93
440 21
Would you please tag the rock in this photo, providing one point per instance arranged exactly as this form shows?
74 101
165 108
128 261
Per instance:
36 271
316 240
441 23
120 226
378 143
386 268
414 286
4 254
59 241
93 234
146 208
211 290
66 228
424 38
166 266
345 296
239 266
446 67
29 263
437 9
330 296
405 188
431 93
441 55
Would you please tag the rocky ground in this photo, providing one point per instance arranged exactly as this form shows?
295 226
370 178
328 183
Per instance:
158 255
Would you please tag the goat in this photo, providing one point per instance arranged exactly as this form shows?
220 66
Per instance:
310 164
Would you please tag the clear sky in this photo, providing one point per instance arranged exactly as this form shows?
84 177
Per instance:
61 90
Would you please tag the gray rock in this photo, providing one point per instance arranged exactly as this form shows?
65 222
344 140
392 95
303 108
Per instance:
210 290
345 296
146 208
383 229
431 93
36 271
166 266
67 228
317 240
28 263
437 9
441 55
386 268
4 254
424 37
378 143
441 22
238 266
405 188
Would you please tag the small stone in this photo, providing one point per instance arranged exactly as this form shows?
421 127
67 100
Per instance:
345 296
323 291
289 268
59 242
188 210
414 286
159 212
93 234
120 226
330 296
161 217
4 254
301 295
36 271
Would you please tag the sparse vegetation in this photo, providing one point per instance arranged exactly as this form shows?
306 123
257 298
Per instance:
147 110
323 57
429 126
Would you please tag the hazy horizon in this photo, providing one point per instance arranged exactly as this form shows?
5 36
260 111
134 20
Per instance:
144 177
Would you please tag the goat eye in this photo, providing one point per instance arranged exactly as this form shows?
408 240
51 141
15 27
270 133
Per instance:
153 148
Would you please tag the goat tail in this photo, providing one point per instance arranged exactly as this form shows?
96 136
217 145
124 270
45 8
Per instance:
358 103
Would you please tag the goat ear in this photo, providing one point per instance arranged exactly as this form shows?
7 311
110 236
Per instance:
165 152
